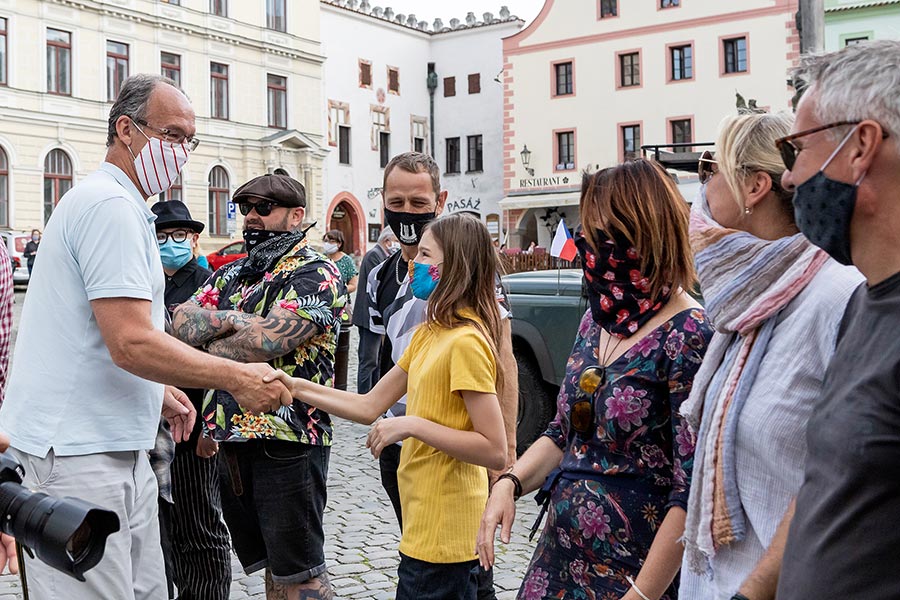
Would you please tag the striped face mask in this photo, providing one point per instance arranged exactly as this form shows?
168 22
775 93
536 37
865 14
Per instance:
159 163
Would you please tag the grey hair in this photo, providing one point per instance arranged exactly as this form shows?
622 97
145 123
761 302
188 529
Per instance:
133 99
385 234
855 83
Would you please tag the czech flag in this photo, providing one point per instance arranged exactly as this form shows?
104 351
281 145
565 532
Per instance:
563 245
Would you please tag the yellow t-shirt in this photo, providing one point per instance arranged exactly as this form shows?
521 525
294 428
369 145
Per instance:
442 498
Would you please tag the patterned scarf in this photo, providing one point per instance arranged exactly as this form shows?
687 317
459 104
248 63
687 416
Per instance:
619 293
264 249
746 282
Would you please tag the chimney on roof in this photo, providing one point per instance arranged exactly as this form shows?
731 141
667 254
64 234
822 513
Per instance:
454 23
388 13
504 12
470 19
377 11
488 18
411 20
400 18
365 6
438 25
351 4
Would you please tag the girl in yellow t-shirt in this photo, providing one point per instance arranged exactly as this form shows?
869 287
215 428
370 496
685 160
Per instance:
453 427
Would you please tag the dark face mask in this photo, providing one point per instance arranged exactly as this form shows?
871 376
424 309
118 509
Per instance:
823 209
408 226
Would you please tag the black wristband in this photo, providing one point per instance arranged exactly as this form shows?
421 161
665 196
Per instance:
739 596
517 491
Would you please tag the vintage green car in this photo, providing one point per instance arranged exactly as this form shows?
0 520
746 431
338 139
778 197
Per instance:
547 307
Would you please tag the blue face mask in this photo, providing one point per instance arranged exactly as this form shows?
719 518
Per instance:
425 279
175 255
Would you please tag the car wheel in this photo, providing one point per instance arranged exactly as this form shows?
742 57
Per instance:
537 405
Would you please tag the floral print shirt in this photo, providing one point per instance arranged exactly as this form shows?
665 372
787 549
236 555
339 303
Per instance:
307 283
637 431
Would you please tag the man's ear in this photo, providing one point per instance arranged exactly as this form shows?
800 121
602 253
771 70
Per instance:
125 129
441 201
297 215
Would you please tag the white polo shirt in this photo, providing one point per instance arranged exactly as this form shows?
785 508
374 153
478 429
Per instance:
65 392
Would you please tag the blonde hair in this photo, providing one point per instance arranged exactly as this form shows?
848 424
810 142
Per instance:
638 201
746 145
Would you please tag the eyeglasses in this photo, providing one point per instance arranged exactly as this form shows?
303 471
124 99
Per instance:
789 150
263 208
177 236
591 379
170 136
707 166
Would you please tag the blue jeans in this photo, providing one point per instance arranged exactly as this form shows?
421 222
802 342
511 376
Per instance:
421 580
369 351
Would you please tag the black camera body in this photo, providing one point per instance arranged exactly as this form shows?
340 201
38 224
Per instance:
68 534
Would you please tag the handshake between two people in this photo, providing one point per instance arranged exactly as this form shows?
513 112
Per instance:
253 386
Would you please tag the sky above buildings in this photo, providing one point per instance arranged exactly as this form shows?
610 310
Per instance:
429 10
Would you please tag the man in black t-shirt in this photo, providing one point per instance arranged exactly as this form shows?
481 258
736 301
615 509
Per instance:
844 541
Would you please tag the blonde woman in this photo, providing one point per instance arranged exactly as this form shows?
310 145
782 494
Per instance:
775 301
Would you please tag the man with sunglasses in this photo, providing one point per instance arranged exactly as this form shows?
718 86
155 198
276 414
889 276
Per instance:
283 303
84 399
844 167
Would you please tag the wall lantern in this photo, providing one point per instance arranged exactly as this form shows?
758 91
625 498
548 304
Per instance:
526 159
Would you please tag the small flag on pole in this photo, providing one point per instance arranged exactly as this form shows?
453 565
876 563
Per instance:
563 245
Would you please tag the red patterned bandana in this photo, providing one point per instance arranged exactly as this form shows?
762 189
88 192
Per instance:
618 291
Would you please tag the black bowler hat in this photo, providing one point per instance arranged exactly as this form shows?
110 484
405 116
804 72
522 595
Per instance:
281 189
174 213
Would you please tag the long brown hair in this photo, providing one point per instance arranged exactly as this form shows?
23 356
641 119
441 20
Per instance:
638 201
468 280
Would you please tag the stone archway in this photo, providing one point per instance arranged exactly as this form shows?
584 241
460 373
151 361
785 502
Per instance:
345 214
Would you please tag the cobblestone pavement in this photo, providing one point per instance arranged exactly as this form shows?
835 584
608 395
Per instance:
361 533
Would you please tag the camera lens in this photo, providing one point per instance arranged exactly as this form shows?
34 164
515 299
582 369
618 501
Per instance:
79 545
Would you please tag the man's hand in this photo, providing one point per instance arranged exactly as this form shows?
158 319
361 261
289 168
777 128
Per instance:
179 412
500 510
257 396
207 447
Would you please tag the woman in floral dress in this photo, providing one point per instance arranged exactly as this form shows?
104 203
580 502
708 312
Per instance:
615 463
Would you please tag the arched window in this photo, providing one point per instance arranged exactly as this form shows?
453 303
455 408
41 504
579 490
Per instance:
4 189
57 179
218 201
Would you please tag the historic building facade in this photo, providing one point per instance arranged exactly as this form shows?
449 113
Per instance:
588 83
394 83
252 69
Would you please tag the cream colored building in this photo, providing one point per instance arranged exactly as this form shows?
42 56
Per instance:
589 83
253 72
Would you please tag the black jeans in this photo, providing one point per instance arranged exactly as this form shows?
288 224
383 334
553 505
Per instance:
273 500
388 463
420 580
369 353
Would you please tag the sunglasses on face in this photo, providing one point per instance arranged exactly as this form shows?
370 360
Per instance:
789 150
177 236
263 208
582 415
707 166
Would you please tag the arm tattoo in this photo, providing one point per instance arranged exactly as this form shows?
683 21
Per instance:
196 326
278 334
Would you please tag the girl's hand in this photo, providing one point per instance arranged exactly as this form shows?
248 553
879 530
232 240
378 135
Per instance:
500 510
291 383
388 431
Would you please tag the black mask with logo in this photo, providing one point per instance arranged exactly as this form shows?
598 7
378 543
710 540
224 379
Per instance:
408 226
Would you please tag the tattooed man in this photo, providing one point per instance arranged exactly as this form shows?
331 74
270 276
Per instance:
283 304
